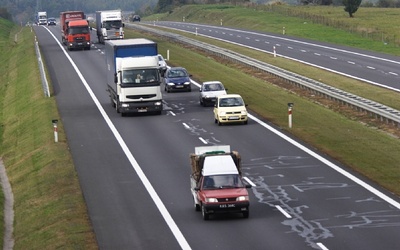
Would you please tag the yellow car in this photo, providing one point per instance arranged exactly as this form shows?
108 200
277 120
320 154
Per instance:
230 109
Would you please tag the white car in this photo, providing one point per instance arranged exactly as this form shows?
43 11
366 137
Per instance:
230 109
162 64
209 91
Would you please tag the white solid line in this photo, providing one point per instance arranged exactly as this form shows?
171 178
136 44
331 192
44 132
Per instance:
152 192
283 212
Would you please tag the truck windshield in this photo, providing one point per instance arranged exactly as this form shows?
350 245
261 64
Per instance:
78 30
140 77
222 181
112 24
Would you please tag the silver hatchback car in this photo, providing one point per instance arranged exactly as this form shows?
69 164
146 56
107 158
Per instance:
209 91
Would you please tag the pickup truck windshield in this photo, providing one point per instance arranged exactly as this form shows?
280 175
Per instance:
222 181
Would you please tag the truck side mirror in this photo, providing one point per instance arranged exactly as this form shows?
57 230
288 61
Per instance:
115 78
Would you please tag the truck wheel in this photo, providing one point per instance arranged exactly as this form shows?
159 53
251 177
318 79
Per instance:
197 207
204 213
246 214
117 105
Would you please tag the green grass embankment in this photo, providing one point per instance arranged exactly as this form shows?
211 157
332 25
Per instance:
50 211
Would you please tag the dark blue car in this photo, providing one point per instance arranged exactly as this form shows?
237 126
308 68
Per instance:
177 78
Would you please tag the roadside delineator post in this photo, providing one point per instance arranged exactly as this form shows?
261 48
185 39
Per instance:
55 130
274 51
290 107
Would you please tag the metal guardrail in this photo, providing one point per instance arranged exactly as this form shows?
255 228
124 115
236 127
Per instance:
45 84
380 111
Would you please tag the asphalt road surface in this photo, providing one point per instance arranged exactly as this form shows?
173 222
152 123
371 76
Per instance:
134 173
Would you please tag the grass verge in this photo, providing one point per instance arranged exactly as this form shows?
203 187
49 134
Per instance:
50 211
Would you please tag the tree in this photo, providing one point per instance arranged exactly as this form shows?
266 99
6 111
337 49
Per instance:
351 6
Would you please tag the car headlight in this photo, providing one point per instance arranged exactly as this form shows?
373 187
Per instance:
170 84
244 112
242 198
186 83
211 200
222 113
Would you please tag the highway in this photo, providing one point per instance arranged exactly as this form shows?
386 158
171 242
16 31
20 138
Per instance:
134 173
374 68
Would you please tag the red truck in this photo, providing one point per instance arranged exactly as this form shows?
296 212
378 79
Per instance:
216 181
75 31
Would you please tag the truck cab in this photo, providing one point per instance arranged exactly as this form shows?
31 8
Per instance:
78 35
216 182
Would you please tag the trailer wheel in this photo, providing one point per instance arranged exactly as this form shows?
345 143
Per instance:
205 215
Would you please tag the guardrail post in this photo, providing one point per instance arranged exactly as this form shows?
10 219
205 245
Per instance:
290 107
55 130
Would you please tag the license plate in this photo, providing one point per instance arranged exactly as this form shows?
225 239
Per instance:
79 43
142 110
226 205
117 33
179 86
233 118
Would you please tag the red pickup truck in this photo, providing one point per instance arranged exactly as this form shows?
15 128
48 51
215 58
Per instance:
216 181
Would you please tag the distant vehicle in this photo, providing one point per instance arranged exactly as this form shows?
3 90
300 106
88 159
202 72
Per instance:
42 18
136 18
51 21
230 109
209 91
163 64
177 78
75 30
109 25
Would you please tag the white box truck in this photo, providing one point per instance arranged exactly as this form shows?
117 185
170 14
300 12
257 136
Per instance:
133 76
109 25
42 18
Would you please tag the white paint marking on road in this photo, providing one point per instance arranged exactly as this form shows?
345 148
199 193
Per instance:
393 73
203 141
351 62
328 163
185 125
249 181
334 58
283 212
317 54
150 189
320 245
369 67
172 113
